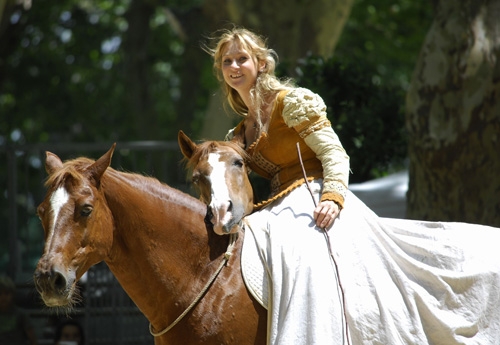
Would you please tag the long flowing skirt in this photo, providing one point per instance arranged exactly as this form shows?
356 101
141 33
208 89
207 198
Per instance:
403 281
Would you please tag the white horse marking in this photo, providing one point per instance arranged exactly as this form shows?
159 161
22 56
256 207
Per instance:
218 183
57 200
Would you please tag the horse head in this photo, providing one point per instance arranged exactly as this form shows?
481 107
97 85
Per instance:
219 172
74 216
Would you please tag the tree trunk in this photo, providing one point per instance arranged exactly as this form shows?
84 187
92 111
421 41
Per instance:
137 69
453 116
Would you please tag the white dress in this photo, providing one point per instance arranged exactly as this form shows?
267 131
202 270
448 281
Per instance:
404 281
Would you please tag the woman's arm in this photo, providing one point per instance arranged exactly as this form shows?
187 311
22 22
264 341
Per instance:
305 111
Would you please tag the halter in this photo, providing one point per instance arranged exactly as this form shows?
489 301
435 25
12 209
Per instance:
229 251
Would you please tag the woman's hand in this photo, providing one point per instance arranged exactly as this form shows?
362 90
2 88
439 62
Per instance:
325 213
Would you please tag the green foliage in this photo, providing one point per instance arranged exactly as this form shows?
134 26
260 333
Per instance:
368 118
387 35
364 85
58 76
64 76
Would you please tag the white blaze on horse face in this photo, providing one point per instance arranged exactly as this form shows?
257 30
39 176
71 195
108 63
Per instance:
57 200
219 202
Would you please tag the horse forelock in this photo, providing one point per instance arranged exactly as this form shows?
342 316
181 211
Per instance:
71 168
208 147
239 150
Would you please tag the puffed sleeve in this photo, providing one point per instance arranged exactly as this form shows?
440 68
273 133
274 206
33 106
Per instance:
305 111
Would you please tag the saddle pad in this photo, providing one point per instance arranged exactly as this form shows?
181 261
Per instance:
254 274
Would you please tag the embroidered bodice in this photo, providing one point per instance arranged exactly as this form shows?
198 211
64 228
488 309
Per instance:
299 116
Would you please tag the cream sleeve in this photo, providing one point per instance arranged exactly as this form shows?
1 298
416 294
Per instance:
305 111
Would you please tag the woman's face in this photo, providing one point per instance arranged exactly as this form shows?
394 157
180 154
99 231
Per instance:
239 67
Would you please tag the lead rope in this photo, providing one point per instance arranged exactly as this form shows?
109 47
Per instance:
227 255
325 233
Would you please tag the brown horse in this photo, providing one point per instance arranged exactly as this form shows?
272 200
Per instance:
220 166
155 241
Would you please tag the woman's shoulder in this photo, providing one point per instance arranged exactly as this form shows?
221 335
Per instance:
302 94
300 104
299 91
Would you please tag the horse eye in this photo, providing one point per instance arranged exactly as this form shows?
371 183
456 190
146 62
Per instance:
238 163
86 210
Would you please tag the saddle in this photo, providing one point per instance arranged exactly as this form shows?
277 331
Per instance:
254 274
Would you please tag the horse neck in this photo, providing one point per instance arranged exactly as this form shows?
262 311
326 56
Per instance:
161 247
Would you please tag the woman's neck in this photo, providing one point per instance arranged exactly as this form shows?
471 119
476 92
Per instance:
257 121
246 97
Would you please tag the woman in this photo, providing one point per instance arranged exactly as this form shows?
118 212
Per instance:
247 66
405 281
277 116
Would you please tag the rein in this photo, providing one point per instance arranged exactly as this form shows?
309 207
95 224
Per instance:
225 259
329 248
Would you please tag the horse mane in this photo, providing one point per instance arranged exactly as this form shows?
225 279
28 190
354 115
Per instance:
74 168
211 146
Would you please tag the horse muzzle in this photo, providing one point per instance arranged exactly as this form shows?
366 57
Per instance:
55 286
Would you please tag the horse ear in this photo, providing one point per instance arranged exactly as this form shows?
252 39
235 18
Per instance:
52 163
97 169
187 145
239 139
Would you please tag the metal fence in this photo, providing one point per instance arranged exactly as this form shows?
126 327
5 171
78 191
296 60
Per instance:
106 312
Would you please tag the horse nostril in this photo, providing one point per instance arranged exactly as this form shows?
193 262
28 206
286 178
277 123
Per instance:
230 207
49 280
59 282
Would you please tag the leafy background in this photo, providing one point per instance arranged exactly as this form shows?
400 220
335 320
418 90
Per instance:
86 71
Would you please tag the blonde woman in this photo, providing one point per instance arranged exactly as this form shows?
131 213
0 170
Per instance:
305 305
404 281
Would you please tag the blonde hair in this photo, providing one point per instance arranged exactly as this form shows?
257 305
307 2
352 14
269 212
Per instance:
266 84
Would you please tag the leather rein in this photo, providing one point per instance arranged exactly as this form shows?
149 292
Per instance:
225 259
340 287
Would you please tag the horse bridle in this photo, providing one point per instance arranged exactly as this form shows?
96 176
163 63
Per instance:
225 259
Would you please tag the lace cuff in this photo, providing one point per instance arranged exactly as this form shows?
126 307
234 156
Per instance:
327 147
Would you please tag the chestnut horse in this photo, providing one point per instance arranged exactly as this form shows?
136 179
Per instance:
220 166
155 241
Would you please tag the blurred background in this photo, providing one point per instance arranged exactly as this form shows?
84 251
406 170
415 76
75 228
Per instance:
410 88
